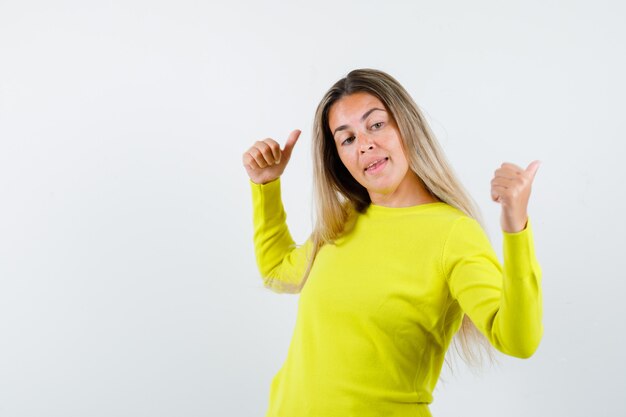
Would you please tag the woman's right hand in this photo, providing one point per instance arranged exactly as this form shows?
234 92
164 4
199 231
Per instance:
265 161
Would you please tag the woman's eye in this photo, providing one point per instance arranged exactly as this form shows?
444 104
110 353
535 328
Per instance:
348 141
377 125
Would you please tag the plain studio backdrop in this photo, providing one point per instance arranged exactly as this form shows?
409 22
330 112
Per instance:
128 284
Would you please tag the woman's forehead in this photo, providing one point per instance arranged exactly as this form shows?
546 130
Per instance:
352 108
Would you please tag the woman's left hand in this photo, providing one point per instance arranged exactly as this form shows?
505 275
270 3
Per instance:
510 187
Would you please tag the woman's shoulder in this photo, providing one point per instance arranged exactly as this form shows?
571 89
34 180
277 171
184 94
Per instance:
446 213
447 210
455 218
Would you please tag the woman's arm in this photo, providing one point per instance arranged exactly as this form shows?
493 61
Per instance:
281 263
504 303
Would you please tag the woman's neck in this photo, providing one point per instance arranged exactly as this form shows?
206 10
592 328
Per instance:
410 192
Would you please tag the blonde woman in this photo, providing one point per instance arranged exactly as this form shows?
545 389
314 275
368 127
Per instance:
397 263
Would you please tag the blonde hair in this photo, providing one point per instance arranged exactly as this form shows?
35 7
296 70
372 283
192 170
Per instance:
338 196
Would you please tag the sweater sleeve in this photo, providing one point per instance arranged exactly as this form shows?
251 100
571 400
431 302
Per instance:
505 303
281 263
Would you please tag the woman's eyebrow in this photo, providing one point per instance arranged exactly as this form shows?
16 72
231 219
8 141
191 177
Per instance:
367 113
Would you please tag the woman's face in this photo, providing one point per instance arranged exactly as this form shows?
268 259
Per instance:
369 145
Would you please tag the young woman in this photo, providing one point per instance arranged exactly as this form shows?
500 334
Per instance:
397 262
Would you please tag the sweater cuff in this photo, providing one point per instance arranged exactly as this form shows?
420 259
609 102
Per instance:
519 254
269 190
267 203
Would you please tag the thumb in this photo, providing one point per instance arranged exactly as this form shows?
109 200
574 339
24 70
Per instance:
291 142
532 169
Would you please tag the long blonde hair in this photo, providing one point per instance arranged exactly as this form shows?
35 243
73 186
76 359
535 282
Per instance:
338 196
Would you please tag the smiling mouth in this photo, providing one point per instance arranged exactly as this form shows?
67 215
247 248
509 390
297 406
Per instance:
375 163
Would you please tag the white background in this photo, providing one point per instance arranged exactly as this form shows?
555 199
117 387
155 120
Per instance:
128 285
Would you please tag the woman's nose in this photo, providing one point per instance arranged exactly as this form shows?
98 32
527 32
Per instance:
365 144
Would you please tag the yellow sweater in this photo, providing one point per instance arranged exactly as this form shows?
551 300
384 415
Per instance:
380 306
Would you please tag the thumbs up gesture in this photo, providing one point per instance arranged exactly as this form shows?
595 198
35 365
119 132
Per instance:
510 187
265 161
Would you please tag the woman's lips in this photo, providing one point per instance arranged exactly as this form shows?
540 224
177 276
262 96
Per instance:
376 166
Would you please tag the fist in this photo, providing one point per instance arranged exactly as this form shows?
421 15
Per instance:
265 161
510 187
